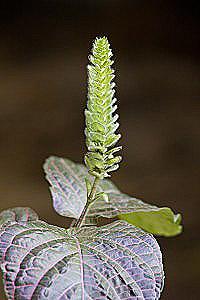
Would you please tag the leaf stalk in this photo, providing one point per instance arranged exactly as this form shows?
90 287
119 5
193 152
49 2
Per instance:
90 200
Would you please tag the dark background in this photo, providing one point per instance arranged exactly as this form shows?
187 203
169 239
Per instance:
43 57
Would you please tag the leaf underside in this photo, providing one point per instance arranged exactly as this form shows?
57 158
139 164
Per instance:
68 189
116 261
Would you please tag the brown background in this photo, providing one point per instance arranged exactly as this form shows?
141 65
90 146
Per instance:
43 56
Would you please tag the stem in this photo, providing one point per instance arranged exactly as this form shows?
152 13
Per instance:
90 199
72 223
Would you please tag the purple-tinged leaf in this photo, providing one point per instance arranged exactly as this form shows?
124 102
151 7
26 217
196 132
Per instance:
116 261
67 186
17 214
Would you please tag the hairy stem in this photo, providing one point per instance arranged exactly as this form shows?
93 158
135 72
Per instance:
90 199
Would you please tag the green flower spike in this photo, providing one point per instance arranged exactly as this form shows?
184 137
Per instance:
101 120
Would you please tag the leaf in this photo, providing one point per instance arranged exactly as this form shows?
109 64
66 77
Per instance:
17 214
116 261
68 186
69 194
161 222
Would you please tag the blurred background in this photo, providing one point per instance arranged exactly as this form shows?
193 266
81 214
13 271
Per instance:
43 56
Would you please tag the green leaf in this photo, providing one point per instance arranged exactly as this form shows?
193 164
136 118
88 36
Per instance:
101 195
161 222
153 219
42 261
69 194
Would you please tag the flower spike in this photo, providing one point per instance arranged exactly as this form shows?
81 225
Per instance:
101 119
